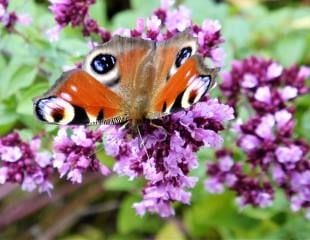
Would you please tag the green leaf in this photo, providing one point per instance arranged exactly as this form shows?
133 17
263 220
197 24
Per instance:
2 62
129 222
25 105
202 10
17 75
305 124
98 11
215 211
295 228
23 77
238 38
31 122
7 121
290 49
144 7
127 18
120 183
170 231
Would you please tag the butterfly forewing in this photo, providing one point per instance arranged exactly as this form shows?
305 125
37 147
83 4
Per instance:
186 87
79 99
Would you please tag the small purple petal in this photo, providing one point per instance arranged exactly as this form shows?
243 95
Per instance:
3 174
28 184
288 93
263 94
249 142
249 81
288 154
10 154
274 70
265 128
75 176
212 185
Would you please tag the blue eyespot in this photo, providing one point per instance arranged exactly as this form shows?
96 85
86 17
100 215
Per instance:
182 56
103 63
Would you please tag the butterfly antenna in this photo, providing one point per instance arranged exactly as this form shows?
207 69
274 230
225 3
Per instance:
142 143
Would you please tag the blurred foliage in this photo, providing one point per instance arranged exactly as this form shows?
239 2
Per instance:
29 63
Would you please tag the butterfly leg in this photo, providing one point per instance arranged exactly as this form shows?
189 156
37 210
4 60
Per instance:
159 127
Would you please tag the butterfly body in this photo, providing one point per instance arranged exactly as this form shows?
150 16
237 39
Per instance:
128 79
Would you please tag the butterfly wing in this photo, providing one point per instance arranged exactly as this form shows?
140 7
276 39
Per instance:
78 98
185 88
184 78
101 91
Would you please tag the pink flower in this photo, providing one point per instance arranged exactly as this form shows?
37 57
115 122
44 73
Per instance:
10 154
304 72
3 174
249 81
75 176
178 19
265 128
74 154
79 137
263 94
210 26
278 174
249 142
153 23
166 4
28 184
43 159
274 70
289 154
2 10
288 93
218 56
212 185
282 117
170 153
226 163
140 25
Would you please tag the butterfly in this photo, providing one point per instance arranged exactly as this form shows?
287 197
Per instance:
129 80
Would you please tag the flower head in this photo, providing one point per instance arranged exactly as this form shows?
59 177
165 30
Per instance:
267 137
75 13
165 153
22 163
74 153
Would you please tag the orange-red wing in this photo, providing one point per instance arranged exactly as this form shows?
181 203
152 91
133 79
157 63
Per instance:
78 98
189 83
83 90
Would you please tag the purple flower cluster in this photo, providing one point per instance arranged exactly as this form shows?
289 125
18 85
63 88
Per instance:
74 153
167 21
75 13
267 137
164 154
22 163
9 19
254 190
